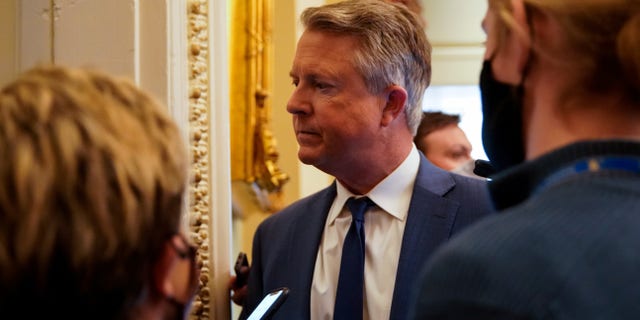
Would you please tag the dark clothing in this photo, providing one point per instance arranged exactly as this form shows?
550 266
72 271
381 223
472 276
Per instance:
566 247
286 244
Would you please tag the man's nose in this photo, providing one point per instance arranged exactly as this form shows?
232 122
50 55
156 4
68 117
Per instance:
298 103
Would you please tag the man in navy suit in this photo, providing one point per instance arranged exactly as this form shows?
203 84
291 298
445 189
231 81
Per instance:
360 71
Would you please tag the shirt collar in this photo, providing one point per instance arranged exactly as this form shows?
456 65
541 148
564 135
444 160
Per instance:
392 194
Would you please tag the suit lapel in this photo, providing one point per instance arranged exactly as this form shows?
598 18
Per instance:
428 225
306 233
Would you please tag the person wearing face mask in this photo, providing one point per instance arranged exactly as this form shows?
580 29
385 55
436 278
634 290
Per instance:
92 180
561 103
444 144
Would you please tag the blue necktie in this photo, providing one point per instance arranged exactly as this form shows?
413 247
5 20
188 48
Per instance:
349 296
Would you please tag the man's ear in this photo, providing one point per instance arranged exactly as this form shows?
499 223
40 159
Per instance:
396 98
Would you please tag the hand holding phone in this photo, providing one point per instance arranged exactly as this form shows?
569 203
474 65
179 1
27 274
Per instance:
238 283
242 270
268 306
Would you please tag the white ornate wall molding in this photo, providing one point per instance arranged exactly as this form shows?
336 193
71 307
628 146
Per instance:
209 194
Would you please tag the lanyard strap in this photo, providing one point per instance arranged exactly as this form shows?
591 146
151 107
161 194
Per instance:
594 164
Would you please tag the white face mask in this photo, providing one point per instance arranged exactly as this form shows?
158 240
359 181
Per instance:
466 169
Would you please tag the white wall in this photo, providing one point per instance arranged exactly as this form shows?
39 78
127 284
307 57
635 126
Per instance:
453 27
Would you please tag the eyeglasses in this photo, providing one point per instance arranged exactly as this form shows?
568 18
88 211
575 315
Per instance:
189 251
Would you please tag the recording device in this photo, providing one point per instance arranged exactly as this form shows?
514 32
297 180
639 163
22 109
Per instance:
269 304
241 277
483 168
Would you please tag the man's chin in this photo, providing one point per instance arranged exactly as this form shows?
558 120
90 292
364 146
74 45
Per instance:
306 158
309 156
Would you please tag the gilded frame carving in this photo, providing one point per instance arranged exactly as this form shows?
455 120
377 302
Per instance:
253 147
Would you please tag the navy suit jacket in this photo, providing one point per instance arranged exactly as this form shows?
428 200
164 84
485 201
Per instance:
286 244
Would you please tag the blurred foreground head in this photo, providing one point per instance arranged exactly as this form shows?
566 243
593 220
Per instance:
92 177
553 66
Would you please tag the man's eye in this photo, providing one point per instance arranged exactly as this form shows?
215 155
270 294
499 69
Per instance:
325 87
321 85
295 82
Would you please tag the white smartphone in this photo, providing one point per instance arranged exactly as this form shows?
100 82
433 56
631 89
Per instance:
269 304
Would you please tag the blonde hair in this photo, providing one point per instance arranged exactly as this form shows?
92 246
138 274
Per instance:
603 35
91 181
393 46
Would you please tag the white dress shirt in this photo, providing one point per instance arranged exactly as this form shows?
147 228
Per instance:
384 227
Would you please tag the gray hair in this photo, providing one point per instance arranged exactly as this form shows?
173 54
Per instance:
393 48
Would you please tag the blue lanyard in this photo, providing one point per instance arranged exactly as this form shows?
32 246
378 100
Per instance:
594 164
